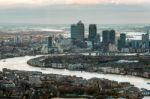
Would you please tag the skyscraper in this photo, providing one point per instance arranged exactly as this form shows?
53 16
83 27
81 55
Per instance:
73 31
105 36
122 41
108 37
49 43
145 40
77 31
112 36
92 32
47 47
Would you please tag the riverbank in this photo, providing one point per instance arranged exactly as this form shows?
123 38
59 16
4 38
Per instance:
14 64
134 66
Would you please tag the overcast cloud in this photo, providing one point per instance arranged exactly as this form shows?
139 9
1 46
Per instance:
82 2
70 11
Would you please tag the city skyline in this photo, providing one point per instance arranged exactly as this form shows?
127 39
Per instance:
70 11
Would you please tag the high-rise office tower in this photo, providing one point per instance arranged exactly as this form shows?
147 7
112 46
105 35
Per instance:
77 31
108 37
105 36
112 36
73 31
145 40
92 32
80 30
49 42
122 41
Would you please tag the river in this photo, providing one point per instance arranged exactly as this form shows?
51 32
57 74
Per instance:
20 63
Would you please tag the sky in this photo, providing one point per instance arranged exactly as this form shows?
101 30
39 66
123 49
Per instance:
71 11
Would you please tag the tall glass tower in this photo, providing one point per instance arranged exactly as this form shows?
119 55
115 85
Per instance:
77 31
92 32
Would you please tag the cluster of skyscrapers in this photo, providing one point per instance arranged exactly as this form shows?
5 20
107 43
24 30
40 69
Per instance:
79 41
78 33
109 40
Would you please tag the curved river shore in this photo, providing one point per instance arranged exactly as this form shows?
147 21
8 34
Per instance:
20 63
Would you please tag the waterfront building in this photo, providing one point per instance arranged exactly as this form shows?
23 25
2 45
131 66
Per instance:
122 41
77 31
